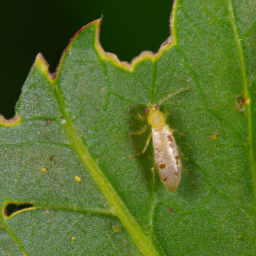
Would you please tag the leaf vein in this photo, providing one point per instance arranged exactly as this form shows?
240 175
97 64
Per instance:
246 92
118 208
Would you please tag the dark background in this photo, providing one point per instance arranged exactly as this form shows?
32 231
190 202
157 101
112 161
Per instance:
28 27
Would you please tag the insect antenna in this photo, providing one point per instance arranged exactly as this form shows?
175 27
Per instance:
172 94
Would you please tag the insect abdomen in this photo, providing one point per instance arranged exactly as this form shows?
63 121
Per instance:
166 157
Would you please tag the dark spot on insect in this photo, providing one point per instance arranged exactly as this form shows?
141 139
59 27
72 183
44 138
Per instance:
170 138
162 166
157 150
165 179
11 208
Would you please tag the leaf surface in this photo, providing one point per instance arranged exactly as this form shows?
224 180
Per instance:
67 152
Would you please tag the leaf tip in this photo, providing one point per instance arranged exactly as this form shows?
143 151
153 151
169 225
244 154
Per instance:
97 22
172 22
42 64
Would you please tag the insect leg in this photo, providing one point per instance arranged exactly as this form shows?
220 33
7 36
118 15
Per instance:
144 149
147 143
140 117
153 172
140 132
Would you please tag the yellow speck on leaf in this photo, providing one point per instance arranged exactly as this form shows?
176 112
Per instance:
116 228
78 179
214 137
73 239
43 169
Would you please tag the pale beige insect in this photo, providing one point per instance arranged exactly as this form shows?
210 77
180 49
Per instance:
166 155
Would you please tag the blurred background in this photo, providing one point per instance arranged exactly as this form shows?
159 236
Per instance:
28 27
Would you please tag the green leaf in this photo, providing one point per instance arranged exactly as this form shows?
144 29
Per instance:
65 157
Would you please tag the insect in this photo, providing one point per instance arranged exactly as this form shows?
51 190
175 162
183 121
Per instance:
166 155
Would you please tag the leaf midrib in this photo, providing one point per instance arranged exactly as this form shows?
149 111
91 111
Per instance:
246 92
117 206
